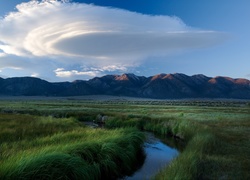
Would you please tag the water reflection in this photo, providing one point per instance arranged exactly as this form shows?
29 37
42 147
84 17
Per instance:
158 155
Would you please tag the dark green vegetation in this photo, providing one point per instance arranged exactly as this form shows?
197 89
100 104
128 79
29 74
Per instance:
49 148
215 133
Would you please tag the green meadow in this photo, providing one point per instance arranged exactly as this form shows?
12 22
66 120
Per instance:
35 147
46 138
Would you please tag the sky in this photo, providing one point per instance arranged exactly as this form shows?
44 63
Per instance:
68 40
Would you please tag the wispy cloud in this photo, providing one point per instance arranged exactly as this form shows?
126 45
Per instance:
112 68
87 35
87 72
34 75
61 72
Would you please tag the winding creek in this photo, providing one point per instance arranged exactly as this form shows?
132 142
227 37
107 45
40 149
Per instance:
158 155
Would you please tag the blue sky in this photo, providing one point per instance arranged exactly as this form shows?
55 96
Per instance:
60 41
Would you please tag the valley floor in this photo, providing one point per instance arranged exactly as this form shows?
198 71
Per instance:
215 133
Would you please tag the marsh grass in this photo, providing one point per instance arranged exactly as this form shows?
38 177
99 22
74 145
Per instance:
52 148
215 133
16 127
217 141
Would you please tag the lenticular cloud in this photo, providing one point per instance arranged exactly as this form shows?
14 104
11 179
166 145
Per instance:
53 28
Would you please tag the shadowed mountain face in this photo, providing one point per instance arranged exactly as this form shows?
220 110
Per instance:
171 86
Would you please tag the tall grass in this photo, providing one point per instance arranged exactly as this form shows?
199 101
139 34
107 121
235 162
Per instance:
216 134
67 151
215 148
190 164
168 126
16 127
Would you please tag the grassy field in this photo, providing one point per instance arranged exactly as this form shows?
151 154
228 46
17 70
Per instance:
35 147
216 134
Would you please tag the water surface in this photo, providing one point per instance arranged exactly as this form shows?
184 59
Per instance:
158 155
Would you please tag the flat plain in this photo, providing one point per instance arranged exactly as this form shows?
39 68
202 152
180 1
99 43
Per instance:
37 131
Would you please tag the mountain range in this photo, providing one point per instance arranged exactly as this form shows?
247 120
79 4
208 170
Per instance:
161 86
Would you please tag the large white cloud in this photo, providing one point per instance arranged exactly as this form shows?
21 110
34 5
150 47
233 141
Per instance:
88 34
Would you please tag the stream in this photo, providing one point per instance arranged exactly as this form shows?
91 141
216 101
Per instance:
158 155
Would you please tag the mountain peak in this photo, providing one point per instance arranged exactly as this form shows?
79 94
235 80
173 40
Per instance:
201 76
158 76
127 77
